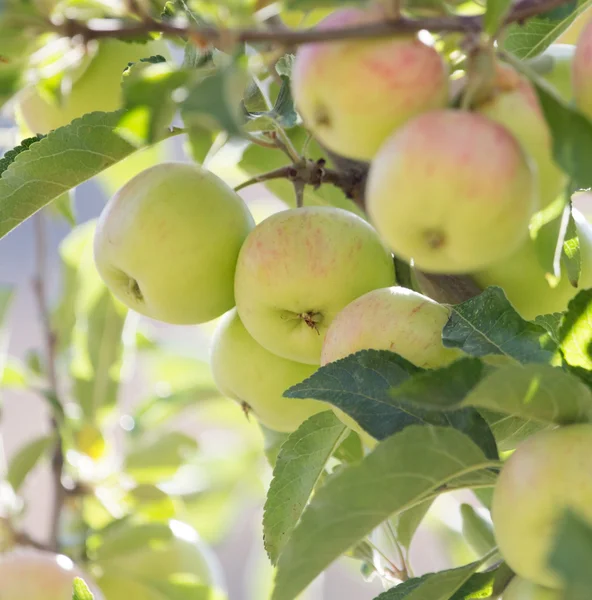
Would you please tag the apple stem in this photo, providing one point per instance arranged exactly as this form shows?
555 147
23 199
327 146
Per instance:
57 460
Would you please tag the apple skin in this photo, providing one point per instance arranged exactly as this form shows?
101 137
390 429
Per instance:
246 372
133 561
582 71
298 269
352 94
523 278
517 108
167 243
395 319
522 589
453 191
548 473
39 575
97 89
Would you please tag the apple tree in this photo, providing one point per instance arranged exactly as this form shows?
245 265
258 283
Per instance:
415 321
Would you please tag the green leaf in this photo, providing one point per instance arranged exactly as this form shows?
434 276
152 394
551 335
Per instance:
407 522
494 16
401 472
572 135
214 102
571 555
361 384
80 590
272 443
508 430
532 37
489 325
283 113
11 155
147 88
25 460
477 530
576 331
452 584
59 162
158 458
63 206
300 464
100 342
541 393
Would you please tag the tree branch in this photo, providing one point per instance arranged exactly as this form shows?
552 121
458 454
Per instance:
57 461
108 28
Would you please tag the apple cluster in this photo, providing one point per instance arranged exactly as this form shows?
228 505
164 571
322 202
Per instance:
450 190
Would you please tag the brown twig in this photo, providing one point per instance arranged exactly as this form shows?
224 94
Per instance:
108 28
57 460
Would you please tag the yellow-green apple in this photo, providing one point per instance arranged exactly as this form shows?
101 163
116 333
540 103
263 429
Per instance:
524 281
547 474
582 71
157 561
395 319
522 589
97 88
353 93
246 372
515 106
453 191
39 575
556 62
167 243
298 269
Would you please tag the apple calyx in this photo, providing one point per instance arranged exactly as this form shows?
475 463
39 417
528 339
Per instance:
435 238
312 319
134 290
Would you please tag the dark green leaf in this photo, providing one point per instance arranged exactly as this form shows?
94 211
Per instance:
300 464
489 325
401 472
461 583
361 384
282 114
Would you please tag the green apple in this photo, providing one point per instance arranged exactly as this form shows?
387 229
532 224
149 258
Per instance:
517 108
395 319
157 561
36 575
522 589
548 473
453 191
353 94
558 60
582 71
298 269
167 243
523 278
98 88
246 372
